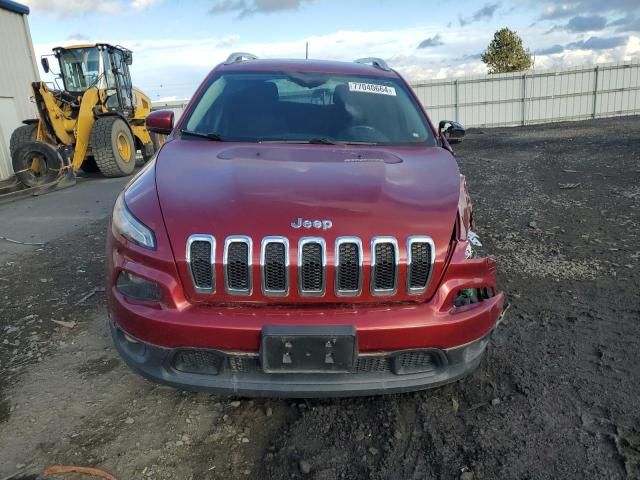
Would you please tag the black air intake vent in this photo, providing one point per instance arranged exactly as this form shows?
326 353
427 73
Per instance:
384 268
418 361
200 249
311 266
348 266
420 261
275 265
198 361
237 265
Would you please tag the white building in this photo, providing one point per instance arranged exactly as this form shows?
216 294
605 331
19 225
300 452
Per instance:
18 68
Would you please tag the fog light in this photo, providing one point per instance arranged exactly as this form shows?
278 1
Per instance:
137 288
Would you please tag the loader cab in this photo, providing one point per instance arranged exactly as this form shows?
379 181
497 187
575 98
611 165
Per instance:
103 66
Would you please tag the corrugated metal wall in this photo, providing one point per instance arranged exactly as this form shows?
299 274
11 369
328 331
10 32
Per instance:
534 97
17 70
525 98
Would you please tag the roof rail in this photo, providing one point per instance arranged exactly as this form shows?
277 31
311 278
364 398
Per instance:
236 57
374 62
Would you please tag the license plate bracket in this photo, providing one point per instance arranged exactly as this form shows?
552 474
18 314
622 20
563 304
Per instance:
308 349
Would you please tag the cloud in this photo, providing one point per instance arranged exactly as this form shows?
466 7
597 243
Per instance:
174 65
626 24
67 8
554 9
227 41
143 4
470 56
550 50
77 37
485 13
597 43
583 23
73 7
434 41
244 8
592 43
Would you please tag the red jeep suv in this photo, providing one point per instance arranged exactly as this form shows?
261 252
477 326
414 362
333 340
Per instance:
304 231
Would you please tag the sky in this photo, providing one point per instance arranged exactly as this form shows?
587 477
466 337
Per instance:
177 42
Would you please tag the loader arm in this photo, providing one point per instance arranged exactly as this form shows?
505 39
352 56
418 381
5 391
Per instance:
84 124
54 118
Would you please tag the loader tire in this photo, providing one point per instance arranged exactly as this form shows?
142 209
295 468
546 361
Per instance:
113 147
37 163
89 165
146 154
148 151
22 135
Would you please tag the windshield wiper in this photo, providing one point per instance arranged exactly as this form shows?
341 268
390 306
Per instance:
209 136
322 141
315 140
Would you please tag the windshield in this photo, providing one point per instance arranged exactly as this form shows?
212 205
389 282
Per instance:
301 107
80 68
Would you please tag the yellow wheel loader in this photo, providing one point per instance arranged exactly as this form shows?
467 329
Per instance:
93 120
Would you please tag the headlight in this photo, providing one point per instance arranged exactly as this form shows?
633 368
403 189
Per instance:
125 224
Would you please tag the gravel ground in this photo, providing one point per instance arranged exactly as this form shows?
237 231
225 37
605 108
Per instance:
556 396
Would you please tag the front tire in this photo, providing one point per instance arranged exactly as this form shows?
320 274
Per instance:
113 147
37 163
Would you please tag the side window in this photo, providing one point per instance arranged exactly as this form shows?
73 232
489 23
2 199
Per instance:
123 78
110 80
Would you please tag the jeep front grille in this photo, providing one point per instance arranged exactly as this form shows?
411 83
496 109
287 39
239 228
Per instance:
420 256
237 265
200 261
311 266
384 265
274 263
348 256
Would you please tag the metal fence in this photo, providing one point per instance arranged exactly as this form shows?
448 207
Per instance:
177 106
534 97
525 98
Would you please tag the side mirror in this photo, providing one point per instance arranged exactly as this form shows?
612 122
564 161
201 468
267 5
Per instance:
160 121
128 59
453 132
45 64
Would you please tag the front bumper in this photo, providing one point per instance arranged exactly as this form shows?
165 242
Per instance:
151 335
235 373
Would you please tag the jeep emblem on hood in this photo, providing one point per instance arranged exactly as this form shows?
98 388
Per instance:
323 224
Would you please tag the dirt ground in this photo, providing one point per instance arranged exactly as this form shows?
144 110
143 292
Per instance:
557 396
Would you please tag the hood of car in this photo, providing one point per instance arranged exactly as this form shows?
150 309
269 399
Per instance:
297 190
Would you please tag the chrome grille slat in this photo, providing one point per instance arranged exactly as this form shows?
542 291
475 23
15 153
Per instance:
312 266
384 266
420 257
237 265
348 255
200 257
274 265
